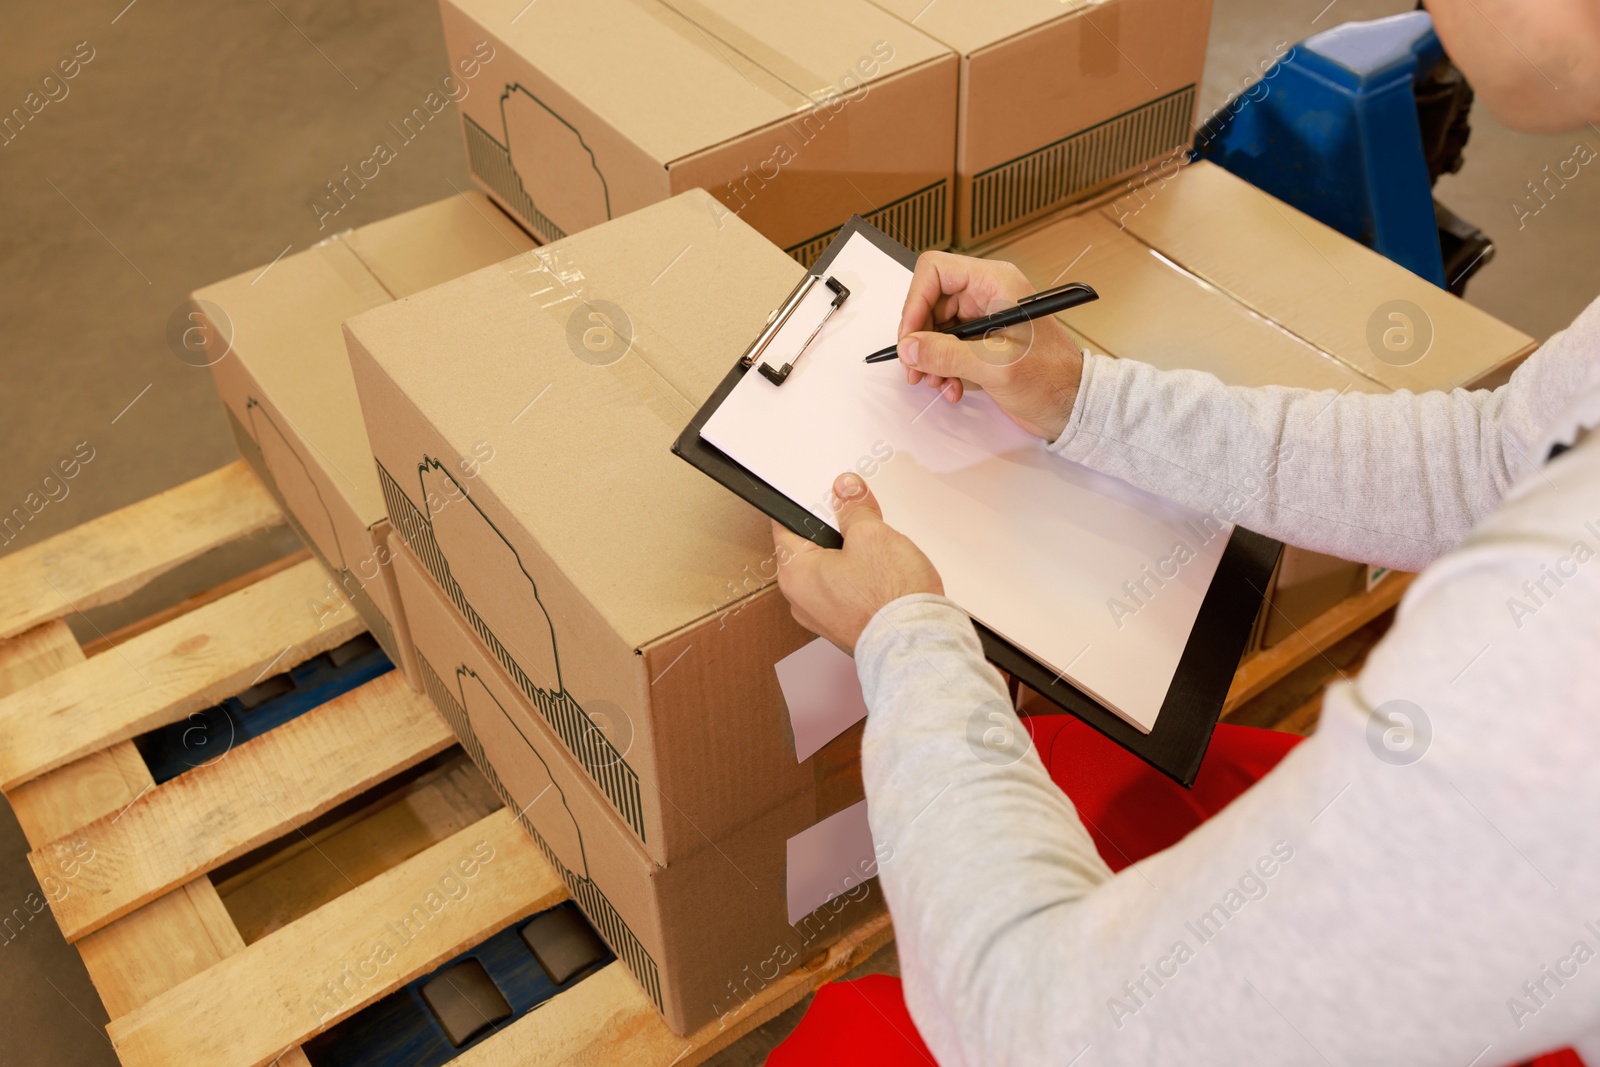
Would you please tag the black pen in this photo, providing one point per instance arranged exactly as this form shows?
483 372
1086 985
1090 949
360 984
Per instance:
1028 308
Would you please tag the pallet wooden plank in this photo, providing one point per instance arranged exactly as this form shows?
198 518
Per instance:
101 783
160 945
25 659
254 793
1264 669
36 654
607 1019
292 984
166 942
105 559
181 667
103 642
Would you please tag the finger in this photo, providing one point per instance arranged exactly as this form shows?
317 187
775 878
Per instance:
945 286
924 296
789 544
854 503
953 390
938 355
946 310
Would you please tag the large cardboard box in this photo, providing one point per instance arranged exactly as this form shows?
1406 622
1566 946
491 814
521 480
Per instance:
522 418
1205 271
702 934
793 116
273 340
1062 98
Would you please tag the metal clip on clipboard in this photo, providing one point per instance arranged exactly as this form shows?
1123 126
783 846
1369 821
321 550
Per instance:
779 318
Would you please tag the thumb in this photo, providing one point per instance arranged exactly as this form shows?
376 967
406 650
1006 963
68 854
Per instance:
854 503
942 356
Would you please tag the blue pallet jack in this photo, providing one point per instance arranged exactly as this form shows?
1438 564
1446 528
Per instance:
1354 126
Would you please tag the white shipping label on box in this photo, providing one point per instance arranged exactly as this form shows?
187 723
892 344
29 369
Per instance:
830 858
823 693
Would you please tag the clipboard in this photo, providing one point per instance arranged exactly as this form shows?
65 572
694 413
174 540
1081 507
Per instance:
1177 742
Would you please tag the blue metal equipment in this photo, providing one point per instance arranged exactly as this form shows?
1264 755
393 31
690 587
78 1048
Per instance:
1353 126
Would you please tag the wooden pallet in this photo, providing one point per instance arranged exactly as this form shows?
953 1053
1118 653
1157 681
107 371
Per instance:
1282 687
208 909
211 901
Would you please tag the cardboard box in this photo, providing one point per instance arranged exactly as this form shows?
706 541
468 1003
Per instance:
793 116
521 418
1205 271
1062 98
702 934
273 340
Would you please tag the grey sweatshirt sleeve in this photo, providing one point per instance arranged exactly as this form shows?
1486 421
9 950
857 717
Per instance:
1393 479
1415 884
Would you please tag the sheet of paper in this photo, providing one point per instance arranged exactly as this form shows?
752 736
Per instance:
820 686
1092 577
828 859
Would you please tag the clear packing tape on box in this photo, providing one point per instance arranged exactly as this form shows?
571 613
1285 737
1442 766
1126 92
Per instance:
598 331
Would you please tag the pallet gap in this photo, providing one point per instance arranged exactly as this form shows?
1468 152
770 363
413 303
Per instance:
1293 703
292 876
205 736
465 1000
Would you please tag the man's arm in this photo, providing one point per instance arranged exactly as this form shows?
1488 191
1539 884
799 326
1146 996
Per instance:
1396 891
1393 479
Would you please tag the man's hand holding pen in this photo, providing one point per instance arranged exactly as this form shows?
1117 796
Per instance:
1032 370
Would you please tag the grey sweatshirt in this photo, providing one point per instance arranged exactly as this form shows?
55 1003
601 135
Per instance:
1418 883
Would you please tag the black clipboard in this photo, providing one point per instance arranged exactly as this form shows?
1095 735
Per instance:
1188 716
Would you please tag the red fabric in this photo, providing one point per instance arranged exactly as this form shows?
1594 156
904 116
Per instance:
1130 810
1133 811
855 1024
1565 1058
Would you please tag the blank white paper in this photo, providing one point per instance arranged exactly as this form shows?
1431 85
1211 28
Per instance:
1038 549
828 859
822 690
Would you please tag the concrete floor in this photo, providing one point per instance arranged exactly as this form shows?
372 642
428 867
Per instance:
187 150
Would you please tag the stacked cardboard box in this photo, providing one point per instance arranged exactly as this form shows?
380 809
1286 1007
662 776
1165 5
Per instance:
1062 98
597 619
273 341
958 121
1205 271
794 117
